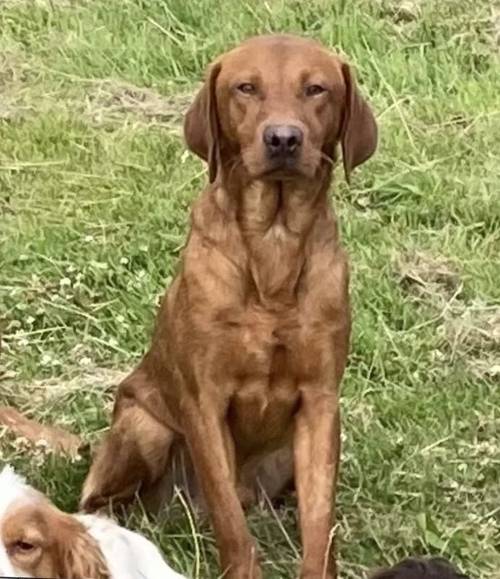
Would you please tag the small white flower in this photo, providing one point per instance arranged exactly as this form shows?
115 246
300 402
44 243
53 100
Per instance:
124 260
46 360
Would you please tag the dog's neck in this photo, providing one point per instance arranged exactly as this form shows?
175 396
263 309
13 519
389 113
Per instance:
275 220
272 225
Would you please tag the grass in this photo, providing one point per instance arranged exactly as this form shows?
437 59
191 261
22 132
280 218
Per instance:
95 189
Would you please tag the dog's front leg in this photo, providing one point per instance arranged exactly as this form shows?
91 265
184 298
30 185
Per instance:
316 454
212 451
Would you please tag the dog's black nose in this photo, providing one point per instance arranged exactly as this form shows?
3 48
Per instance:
282 140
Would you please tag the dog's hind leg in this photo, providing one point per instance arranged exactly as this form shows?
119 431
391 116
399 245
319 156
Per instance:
179 476
267 479
134 454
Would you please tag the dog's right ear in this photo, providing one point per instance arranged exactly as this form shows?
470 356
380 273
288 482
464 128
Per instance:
201 124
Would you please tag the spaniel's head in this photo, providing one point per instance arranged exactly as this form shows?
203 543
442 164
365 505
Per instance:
38 540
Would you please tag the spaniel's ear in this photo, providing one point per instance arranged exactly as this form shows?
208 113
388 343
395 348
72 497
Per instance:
359 129
79 556
201 124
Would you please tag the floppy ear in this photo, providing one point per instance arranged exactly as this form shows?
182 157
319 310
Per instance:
358 135
201 124
79 556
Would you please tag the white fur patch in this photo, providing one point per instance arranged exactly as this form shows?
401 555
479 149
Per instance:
13 489
128 554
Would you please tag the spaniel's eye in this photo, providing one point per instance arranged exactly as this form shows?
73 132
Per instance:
314 89
23 547
247 88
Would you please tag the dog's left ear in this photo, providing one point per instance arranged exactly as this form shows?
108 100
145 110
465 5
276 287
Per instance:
201 124
358 136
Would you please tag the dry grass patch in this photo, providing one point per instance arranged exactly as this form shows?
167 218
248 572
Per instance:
495 25
112 102
42 394
428 277
12 78
473 331
470 330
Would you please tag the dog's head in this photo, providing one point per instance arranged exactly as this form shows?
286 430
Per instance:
435 568
38 540
278 106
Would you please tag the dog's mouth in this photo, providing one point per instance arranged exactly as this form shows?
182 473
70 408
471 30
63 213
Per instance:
280 174
287 170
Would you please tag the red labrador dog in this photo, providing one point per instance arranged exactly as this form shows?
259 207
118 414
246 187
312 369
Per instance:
252 337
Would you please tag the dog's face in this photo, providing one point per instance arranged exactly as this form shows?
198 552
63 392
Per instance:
28 541
38 540
278 106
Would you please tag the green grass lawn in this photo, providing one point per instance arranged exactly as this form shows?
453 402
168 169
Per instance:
95 190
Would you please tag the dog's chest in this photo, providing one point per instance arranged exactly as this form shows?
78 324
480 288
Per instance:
265 393
269 357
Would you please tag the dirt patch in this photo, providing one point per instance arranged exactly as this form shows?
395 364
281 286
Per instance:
116 102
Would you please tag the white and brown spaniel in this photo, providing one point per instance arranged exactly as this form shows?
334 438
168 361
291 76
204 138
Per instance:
38 540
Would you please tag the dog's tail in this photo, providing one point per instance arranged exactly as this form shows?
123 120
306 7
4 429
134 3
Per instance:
56 439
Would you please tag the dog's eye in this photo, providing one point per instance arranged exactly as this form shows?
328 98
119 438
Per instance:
246 88
314 89
23 547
